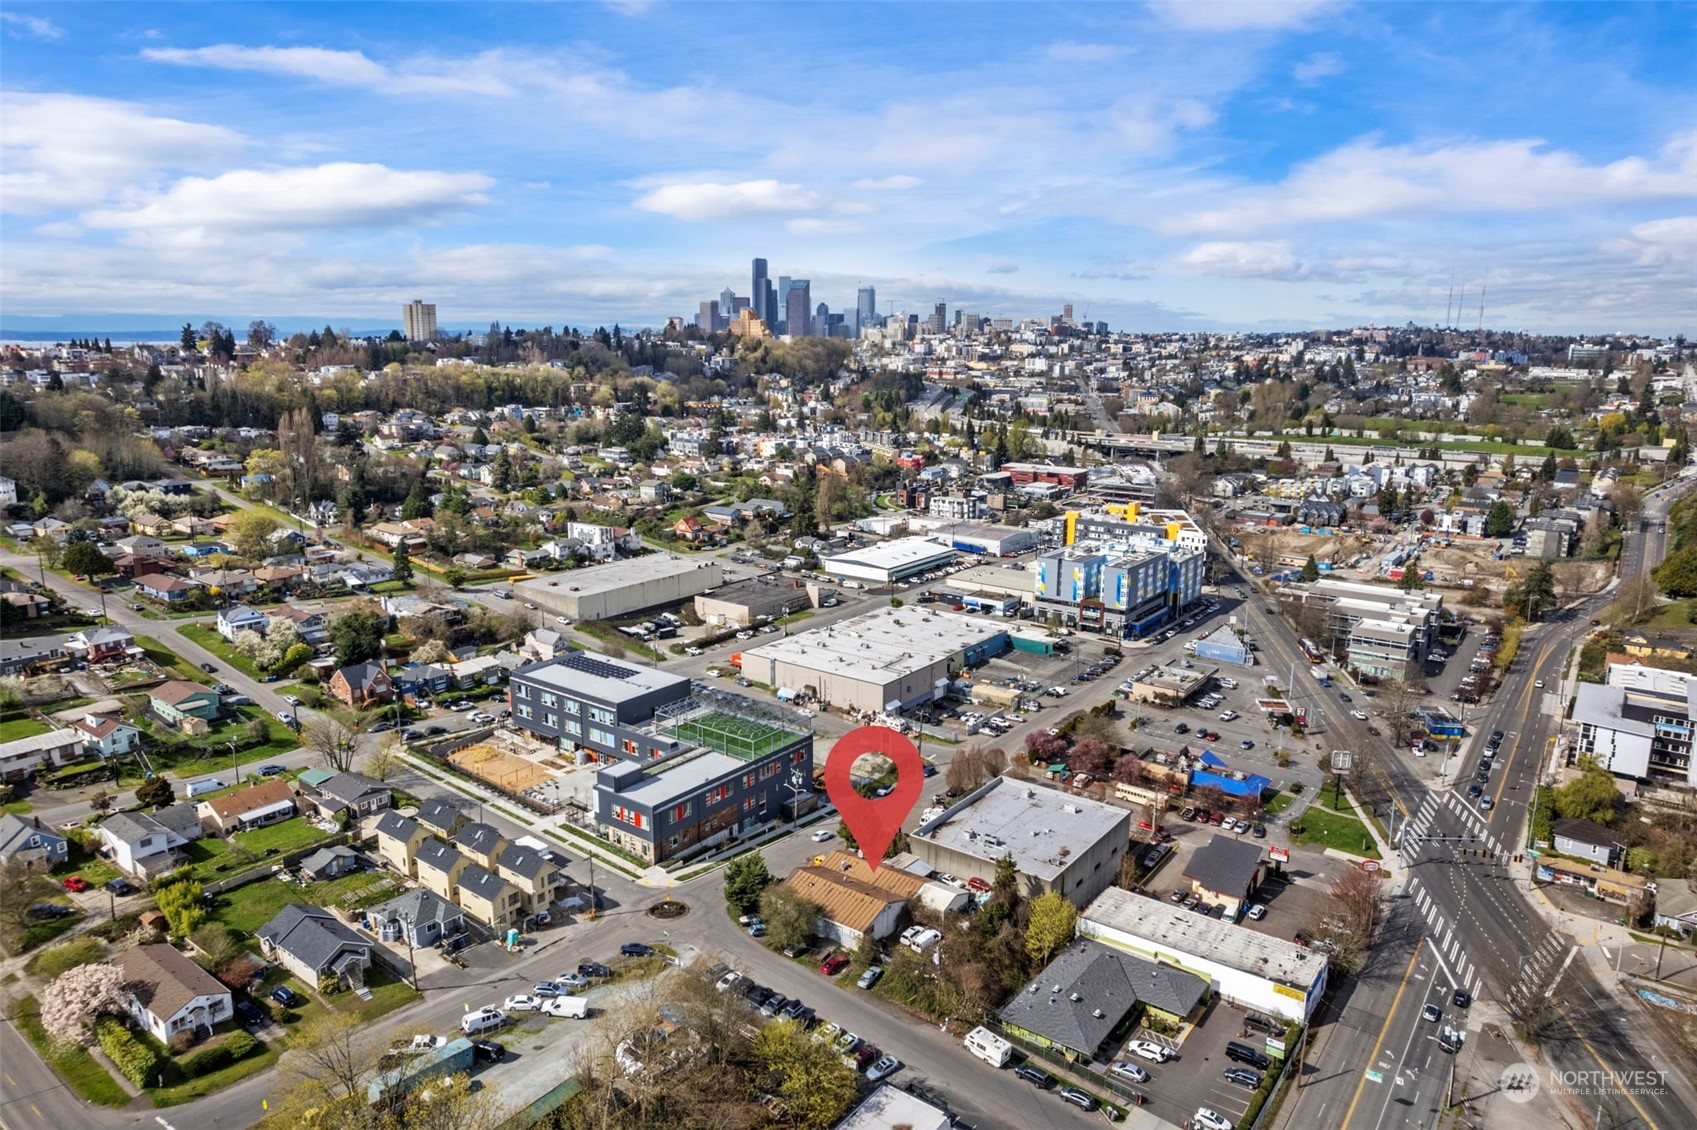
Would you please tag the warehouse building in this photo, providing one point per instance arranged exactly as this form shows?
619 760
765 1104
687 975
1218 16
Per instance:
1257 971
993 541
754 601
1059 842
997 580
621 588
890 561
890 657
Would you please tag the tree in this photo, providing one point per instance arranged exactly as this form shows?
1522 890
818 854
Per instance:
386 759
1535 595
84 559
1398 700
79 997
790 919
180 902
358 635
746 879
454 575
101 801
1053 922
417 504
1677 575
973 766
1310 570
333 735
1499 521
327 1064
816 1084
22 885
1590 796
1634 600
1044 748
1353 915
250 533
156 792
403 563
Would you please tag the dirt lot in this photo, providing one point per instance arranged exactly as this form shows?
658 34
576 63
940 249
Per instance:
508 771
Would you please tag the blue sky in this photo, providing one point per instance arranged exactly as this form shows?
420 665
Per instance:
1159 166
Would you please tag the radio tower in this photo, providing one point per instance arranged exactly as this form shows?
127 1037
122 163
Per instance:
1449 303
1481 306
1459 305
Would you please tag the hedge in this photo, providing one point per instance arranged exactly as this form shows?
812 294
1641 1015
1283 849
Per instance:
135 1060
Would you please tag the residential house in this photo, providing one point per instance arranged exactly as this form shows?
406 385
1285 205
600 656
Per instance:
398 840
32 841
138 844
362 685
849 909
178 701
107 735
28 655
313 626
151 525
537 873
419 916
490 899
688 529
181 819
442 816
1225 872
1090 991
270 802
22 756
439 866
352 793
545 643
330 862
168 993
96 645
1586 839
241 618
313 944
165 587
480 843
415 532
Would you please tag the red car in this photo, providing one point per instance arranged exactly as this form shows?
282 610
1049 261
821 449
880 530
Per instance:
834 964
1216 818
978 885
76 883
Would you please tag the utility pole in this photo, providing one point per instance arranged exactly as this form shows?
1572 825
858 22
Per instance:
593 905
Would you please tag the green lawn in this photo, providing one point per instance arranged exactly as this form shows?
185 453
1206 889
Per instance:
207 636
1279 802
218 1080
1674 616
79 1069
163 658
1324 828
20 728
387 994
249 907
287 836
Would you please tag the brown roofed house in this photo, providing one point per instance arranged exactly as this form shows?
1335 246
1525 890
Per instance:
169 994
849 908
253 807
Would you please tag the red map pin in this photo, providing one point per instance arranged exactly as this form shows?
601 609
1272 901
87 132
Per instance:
874 822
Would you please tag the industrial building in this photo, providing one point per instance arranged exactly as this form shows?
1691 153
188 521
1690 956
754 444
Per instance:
1245 967
1638 724
991 540
754 601
1059 842
890 561
621 588
890 657
997 580
1386 633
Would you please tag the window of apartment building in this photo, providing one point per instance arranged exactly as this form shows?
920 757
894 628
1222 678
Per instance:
551 719
524 712
602 714
770 770
521 690
605 737
628 746
628 816
680 812
748 780
573 706
748 804
549 698
573 728
716 796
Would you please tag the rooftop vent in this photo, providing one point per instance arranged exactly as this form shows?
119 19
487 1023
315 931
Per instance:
1075 996
1097 1013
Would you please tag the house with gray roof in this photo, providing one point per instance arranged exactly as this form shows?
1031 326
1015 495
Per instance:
139 845
1225 871
398 840
537 873
312 943
423 914
479 842
442 817
330 862
353 793
1091 992
438 867
490 899
32 841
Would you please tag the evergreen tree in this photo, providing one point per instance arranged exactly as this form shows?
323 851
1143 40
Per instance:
417 504
403 562
1310 570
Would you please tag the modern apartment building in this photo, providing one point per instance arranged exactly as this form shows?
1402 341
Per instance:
1639 723
1385 633
593 706
419 320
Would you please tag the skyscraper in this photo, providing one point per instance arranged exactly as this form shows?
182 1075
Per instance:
419 320
798 309
780 305
939 318
757 292
708 317
865 310
727 303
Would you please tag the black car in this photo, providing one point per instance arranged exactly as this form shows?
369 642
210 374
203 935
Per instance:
120 886
42 912
635 949
250 1015
1182 728
287 997
1496 738
1462 998
794 1009
1475 790
593 969
208 668
1260 831
759 996
1036 1076
1243 1077
487 1051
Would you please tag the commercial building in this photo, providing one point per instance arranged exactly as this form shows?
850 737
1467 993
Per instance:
891 1108
1023 474
1135 526
1170 685
991 540
888 656
1124 571
1058 842
997 580
1385 633
1225 871
1245 967
850 908
620 588
726 766
419 319
1639 723
1224 645
593 706
1091 995
890 561
754 601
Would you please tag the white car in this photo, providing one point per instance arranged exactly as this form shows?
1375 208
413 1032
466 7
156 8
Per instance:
1148 1049
822 835
1539 684
728 980
1257 911
522 1003
1205 1119
1125 1069
1358 715
562 619
422 1043
692 651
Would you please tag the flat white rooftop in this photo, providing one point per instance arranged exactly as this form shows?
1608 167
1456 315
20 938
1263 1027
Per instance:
882 645
1042 828
891 555
616 575
587 675
1158 923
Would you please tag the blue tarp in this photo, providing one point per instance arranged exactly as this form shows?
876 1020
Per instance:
1252 786
1212 760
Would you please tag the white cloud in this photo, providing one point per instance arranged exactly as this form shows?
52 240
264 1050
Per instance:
743 200
1242 259
1002 269
1365 180
1321 65
32 26
1147 124
67 151
1238 15
336 195
809 225
342 68
900 182
1068 52
1661 243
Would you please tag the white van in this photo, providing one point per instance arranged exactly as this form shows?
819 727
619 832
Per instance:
483 1020
201 788
989 1047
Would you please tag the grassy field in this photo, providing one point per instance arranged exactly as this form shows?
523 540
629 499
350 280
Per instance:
1322 826
163 658
249 907
287 836
79 1069
1674 616
740 737
208 637
20 728
218 1080
387 994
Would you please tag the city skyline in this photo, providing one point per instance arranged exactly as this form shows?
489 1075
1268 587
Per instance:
1159 167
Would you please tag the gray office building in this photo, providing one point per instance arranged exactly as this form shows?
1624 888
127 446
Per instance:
798 308
865 310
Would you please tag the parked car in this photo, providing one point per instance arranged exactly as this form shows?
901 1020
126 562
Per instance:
834 964
593 970
1205 1119
270 770
487 1051
870 977
287 997
1036 1076
249 1015
1125 1069
120 887
1148 1049
1257 911
571 981
1083 1100
74 883
1243 1077
46 911
522 1002
883 1068
635 949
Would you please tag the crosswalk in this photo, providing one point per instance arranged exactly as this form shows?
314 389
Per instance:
1418 834
1445 941
1541 968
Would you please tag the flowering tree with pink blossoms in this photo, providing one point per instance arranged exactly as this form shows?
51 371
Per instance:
78 997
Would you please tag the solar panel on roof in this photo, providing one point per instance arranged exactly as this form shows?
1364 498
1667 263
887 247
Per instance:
600 668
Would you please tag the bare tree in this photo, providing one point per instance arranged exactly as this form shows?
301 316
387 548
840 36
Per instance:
334 736
1634 600
1353 915
1398 700
387 759
973 766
